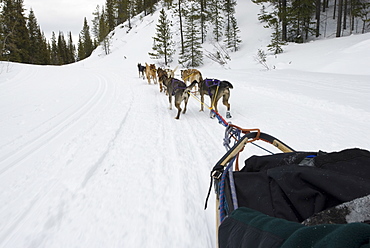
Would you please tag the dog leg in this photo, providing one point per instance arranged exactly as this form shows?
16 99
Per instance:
155 80
178 110
201 102
186 99
215 107
160 86
212 115
225 100
170 100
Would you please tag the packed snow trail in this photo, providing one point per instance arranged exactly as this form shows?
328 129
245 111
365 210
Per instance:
113 158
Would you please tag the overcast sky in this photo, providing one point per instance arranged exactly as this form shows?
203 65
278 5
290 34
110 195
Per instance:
62 15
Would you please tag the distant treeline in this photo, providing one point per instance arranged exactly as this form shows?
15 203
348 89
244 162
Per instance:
22 40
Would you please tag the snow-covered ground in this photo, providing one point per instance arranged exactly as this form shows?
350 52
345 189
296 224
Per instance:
91 156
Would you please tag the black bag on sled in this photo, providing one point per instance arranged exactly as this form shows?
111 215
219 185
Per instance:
296 186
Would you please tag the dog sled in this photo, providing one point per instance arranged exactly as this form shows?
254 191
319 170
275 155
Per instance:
290 198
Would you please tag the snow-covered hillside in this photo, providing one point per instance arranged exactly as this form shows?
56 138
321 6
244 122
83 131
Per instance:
91 156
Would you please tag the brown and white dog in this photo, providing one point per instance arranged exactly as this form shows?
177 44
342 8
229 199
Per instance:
215 89
189 75
178 89
150 72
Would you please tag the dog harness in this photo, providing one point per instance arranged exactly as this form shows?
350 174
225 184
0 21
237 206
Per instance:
177 86
211 83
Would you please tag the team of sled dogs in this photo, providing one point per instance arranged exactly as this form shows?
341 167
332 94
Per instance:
191 80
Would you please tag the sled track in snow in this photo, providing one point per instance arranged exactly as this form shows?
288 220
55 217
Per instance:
94 167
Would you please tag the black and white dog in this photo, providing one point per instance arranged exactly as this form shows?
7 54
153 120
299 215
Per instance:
141 69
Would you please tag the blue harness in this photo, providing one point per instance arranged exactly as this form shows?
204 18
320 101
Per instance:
176 87
210 83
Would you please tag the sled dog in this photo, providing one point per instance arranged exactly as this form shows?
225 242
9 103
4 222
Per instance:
161 73
215 89
150 72
189 75
141 69
178 89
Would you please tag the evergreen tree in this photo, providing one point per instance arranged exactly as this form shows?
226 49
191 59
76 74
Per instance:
149 6
80 48
272 21
96 22
232 35
71 50
361 9
110 13
192 55
44 54
54 57
138 7
300 17
283 18
276 41
124 11
35 39
163 44
45 51
14 32
204 16
231 31
85 44
217 19
104 38
62 49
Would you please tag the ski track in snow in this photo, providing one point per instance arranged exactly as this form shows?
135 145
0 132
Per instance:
51 129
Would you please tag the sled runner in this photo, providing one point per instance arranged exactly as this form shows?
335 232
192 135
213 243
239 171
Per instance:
292 198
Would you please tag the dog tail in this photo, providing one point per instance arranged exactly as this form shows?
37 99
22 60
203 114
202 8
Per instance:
227 84
192 84
188 88
174 70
